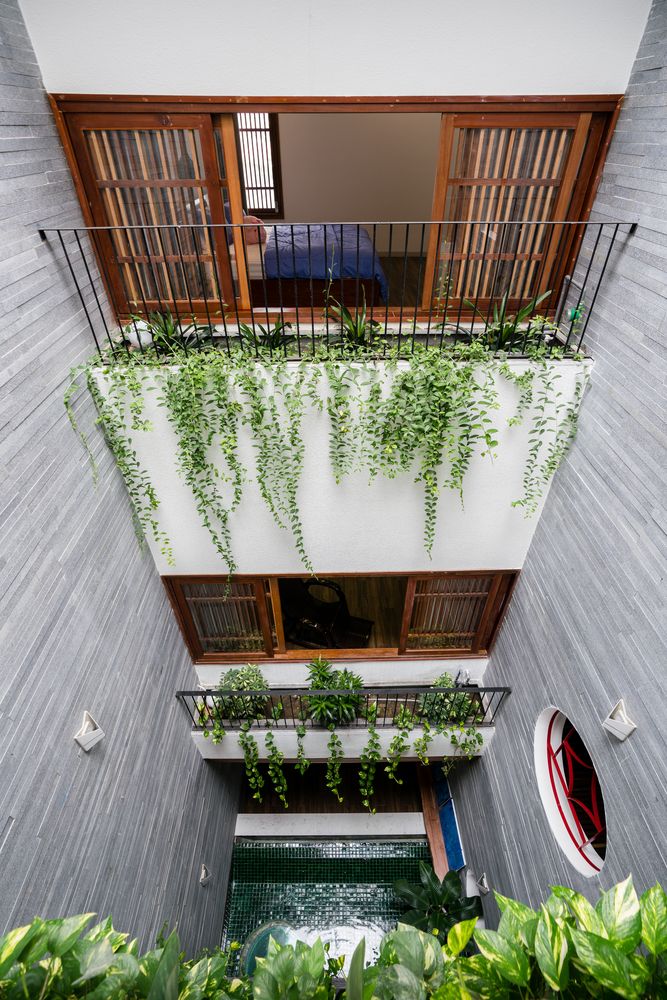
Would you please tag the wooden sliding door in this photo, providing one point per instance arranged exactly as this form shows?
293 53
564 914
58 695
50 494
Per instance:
171 171
502 182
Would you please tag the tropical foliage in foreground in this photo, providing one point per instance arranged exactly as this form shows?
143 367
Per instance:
568 948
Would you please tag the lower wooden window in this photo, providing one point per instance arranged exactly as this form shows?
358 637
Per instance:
359 616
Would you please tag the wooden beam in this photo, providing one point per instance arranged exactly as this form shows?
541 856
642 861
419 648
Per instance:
431 814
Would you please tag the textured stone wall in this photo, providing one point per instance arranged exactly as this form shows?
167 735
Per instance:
84 623
587 622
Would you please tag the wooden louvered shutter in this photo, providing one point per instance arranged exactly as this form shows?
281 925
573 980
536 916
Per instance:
494 170
146 170
453 612
220 618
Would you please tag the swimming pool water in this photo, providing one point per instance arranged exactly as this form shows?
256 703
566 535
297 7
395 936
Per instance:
340 891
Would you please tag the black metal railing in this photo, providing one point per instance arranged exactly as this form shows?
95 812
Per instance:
293 288
288 708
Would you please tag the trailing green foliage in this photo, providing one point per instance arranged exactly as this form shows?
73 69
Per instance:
399 745
248 744
275 767
423 416
423 742
568 948
334 776
302 763
370 758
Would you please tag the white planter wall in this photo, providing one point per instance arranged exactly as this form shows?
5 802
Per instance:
355 527
315 744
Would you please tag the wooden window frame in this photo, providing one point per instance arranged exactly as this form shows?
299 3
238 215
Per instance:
276 167
605 109
269 609
573 188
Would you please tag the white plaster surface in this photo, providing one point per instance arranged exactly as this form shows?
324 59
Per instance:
379 673
315 744
327 825
354 526
379 47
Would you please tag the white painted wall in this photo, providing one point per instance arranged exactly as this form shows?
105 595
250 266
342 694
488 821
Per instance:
315 744
375 673
342 167
313 47
354 526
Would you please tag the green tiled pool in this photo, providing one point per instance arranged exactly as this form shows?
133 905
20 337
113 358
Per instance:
337 890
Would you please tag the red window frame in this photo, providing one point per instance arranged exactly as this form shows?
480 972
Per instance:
562 787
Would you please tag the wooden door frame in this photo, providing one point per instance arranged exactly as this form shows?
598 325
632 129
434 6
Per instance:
573 187
604 107
88 189
266 589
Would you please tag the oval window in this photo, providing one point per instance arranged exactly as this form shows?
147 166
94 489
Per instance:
570 792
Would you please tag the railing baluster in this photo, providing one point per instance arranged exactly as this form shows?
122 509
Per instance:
458 274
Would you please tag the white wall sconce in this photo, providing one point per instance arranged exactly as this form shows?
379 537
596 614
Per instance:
205 875
483 884
618 722
89 734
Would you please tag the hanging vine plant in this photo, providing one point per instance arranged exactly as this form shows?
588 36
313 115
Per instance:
425 416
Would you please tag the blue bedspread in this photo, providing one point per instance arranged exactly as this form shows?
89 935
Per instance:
332 248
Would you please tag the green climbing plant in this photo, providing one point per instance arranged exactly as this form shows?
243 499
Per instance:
276 759
467 740
370 758
302 763
334 776
400 744
248 744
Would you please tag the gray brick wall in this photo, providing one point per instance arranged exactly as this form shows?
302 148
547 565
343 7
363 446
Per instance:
587 623
84 623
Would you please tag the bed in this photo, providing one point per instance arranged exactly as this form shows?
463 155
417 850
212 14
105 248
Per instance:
297 261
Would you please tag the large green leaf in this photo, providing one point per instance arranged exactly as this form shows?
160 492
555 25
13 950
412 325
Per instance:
552 951
653 906
621 915
584 912
398 983
165 979
520 910
409 951
459 935
506 956
62 933
14 943
414 895
95 957
355 978
626 975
